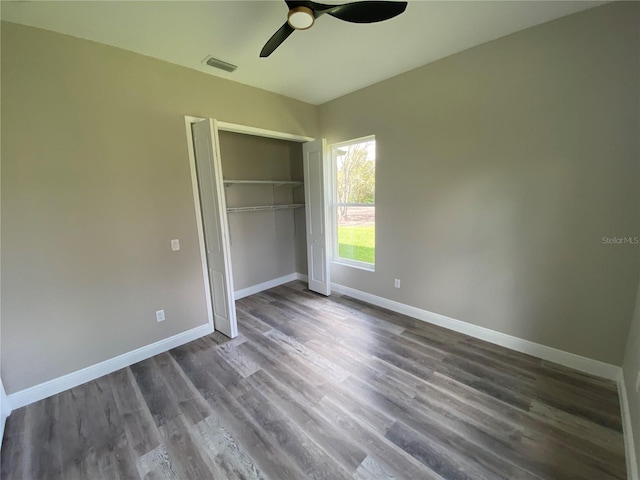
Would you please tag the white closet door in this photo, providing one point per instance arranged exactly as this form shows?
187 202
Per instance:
314 188
216 230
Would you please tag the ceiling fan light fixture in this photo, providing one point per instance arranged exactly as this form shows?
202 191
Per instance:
301 18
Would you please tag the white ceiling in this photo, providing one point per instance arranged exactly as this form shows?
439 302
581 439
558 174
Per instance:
329 60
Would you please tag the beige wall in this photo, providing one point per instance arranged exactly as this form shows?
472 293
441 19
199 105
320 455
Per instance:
499 170
264 244
631 369
95 184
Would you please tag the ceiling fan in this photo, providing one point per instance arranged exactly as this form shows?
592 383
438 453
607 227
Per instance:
303 13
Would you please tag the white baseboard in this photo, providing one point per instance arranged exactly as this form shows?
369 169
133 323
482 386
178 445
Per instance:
245 292
577 362
629 446
73 379
301 276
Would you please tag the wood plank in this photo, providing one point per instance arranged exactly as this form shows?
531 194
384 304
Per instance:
566 398
154 391
358 409
245 319
74 453
323 366
300 378
393 459
601 436
570 376
433 452
342 450
118 461
14 425
206 370
182 449
370 369
307 455
370 469
227 459
156 465
16 449
234 357
482 384
280 320
140 428
191 405
352 314
501 378
46 432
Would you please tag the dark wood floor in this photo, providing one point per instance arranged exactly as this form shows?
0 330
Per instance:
325 388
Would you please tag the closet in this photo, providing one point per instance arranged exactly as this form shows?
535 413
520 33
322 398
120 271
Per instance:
259 199
264 191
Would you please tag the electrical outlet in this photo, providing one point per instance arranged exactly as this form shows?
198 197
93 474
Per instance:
175 245
160 315
638 382
397 283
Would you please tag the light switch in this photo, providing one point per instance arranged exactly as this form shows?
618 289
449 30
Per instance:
160 316
175 245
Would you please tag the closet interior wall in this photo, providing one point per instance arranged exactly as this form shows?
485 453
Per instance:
265 244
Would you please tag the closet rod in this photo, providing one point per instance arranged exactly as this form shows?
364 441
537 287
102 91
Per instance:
264 207
275 183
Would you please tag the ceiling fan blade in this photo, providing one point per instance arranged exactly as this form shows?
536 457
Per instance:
367 12
309 4
276 39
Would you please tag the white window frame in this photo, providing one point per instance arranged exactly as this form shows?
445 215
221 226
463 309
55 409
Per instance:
335 258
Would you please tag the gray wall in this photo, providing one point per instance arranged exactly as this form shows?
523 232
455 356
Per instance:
631 369
95 184
264 244
499 170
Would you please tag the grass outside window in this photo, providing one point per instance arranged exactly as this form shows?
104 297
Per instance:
357 243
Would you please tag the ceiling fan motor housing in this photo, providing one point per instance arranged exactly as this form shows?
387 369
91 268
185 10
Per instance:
301 18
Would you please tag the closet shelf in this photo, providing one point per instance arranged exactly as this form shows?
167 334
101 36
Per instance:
275 183
264 207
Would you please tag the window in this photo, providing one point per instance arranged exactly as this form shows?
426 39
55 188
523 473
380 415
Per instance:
354 208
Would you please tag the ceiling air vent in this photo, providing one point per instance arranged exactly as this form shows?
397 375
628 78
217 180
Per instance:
214 62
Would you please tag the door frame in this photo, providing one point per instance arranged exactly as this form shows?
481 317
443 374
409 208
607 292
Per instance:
233 128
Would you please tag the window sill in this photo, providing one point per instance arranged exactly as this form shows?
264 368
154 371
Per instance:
360 266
